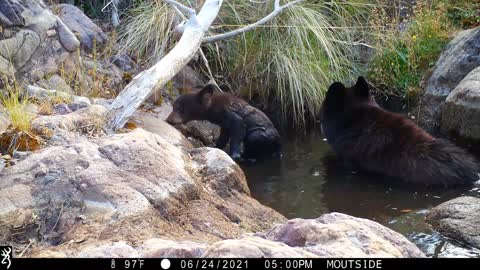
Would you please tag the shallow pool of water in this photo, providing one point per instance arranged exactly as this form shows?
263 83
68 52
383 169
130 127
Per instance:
308 182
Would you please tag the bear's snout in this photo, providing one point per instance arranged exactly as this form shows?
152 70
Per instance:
174 119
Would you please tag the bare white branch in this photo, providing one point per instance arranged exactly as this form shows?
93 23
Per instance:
277 10
163 71
181 7
276 5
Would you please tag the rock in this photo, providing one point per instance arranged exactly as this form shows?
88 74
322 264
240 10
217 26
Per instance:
7 68
10 11
198 133
4 120
461 111
128 187
28 46
458 219
340 235
114 250
108 78
20 47
202 133
51 33
57 83
86 30
79 102
159 248
69 42
460 57
254 247
61 109
153 122
124 62
68 122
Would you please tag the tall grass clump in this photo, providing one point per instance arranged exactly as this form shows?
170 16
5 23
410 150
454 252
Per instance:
16 107
291 60
19 136
404 55
147 29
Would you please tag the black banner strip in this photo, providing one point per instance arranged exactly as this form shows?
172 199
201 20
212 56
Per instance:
206 263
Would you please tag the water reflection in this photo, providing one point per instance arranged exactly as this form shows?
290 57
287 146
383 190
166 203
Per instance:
308 182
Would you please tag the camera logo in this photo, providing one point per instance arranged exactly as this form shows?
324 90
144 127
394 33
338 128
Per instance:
6 254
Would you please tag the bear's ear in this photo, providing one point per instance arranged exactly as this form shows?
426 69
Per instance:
361 88
205 94
335 96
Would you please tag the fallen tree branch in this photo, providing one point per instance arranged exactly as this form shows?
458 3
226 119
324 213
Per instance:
158 75
181 7
276 11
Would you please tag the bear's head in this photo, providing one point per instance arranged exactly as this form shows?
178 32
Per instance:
339 100
191 106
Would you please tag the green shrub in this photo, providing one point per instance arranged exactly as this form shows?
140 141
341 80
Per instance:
402 58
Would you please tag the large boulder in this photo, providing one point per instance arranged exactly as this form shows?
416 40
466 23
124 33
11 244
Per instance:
331 235
41 44
255 247
129 187
35 42
340 235
461 111
458 219
89 34
461 56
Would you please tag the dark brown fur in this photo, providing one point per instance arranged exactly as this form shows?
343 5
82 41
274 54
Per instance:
370 138
238 120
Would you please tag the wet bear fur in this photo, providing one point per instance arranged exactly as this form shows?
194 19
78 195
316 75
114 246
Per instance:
238 120
369 138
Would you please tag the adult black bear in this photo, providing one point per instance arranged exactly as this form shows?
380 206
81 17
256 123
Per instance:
238 120
371 139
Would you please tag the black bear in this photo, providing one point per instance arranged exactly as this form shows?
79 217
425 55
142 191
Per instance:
372 139
238 120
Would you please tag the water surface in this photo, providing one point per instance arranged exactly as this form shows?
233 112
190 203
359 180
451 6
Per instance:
308 182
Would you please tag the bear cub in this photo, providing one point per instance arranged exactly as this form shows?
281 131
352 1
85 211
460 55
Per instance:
238 120
369 138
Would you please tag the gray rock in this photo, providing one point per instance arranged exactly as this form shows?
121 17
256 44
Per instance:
61 109
4 120
57 83
458 219
68 41
202 133
134 185
460 57
340 235
10 13
6 67
254 247
124 62
461 111
114 250
69 121
28 46
159 248
19 48
86 30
